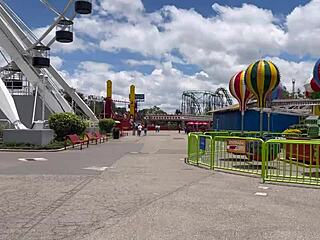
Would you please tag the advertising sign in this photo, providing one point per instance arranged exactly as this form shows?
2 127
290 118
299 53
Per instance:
139 97
202 143
236 146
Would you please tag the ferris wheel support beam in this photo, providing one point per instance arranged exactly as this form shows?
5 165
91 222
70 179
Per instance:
72 93
52 25
26 44
10 45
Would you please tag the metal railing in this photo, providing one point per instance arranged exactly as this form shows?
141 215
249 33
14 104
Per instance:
276 160
193 149
238 154
292 161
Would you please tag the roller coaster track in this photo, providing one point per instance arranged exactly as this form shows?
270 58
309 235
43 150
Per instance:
201 102
225 93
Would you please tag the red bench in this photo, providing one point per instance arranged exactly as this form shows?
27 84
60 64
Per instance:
91 137
75 139
101 137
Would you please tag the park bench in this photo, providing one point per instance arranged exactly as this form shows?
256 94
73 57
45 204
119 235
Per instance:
75 139
101 137
92 138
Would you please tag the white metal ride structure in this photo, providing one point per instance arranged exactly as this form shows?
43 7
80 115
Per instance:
29 59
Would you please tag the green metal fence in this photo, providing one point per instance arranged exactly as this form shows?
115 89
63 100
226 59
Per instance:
193 149
200 149
205 150
217 133
276 160
292 161
238 154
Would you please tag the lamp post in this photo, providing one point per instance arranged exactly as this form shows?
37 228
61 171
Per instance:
293 87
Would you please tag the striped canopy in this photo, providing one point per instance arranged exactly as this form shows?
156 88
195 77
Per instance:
261 78
239 90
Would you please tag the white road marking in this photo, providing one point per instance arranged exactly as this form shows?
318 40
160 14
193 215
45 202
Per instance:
32 159
134 152
96 168
263 187
261 194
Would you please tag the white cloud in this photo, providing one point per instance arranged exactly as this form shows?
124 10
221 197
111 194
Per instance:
303 25
131 9
56 61
219 46
163 87
133 62
289 70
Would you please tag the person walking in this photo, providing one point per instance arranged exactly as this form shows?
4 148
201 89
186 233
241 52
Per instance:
145 129
139 130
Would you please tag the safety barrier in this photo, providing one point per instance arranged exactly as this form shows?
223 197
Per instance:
238 154
275 160
193 148
292 161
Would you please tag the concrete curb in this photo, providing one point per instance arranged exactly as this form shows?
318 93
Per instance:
41 150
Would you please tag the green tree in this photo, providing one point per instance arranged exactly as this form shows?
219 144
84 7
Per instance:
285 93
106 125
66 123
153 110
315 95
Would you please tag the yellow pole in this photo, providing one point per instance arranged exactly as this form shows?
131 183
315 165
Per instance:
109 89
132 100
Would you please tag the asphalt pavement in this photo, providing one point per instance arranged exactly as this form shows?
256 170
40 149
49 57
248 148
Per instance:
147 192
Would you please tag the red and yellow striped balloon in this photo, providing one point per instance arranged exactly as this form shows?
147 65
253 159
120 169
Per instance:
314 85
239 90
261 78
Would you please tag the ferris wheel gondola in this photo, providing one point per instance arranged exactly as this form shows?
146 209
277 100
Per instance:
32 56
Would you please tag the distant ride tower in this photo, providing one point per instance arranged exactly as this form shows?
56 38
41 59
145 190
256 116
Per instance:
108 105
132 98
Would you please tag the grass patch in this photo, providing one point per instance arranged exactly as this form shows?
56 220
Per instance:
28 146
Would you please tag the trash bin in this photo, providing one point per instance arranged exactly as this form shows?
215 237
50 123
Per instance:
116 133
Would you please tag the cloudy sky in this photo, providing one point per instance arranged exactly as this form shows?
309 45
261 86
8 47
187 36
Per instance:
165 47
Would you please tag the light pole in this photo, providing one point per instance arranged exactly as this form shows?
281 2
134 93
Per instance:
293 87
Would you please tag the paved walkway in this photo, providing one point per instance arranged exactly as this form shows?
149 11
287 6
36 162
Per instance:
152 194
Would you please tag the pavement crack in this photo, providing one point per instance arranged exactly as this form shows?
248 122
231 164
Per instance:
19 234
133 210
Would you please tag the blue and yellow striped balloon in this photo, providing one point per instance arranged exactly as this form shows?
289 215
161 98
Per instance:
261 78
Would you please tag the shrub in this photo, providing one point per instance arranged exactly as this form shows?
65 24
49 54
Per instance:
106 125
66 123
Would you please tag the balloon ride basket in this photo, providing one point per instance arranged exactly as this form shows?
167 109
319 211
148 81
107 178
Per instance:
28 136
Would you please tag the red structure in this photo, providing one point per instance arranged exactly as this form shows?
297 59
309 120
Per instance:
108 108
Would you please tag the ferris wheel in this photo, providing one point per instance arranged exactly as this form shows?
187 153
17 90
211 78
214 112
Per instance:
30 59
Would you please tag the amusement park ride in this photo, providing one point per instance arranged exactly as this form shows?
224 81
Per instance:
30 68
202 102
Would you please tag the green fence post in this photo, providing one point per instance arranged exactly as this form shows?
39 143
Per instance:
213 145
264 160
197 138
189 147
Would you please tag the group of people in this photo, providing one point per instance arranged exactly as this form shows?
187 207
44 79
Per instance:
157 128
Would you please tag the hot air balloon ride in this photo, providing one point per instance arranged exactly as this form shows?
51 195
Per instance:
239 91
261 78
276 93
316 72
314 85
